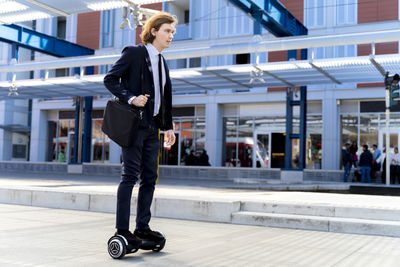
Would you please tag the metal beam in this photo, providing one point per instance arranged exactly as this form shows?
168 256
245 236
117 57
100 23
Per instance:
277 78
228 79
50 8
330 77
377 65
40 42
273 16
191 83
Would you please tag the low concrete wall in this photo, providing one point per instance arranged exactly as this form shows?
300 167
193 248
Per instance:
323 175
217 173
32 167
173 172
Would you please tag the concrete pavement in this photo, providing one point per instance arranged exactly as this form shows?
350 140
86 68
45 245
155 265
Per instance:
33 236
343 213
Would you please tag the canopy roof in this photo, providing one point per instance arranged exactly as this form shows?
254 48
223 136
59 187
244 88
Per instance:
12 11
367 69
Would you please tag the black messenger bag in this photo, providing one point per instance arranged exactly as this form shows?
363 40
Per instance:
121 120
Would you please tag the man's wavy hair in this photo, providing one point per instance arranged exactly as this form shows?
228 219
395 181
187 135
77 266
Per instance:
155 22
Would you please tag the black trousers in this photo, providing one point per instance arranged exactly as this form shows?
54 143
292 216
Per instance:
139 161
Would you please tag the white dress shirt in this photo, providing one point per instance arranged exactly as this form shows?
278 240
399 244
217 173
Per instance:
153 53
395 159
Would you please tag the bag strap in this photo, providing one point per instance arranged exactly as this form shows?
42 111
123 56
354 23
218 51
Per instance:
143 59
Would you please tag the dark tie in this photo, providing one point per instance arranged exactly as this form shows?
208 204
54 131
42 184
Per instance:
160 80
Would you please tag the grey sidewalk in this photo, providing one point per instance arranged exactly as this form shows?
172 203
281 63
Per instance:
33 236
193 200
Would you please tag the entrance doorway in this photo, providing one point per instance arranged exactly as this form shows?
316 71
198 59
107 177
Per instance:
394 138
70 147
269 150
169 154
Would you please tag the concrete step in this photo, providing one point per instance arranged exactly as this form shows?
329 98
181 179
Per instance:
318 223
223 207
180 207
326 210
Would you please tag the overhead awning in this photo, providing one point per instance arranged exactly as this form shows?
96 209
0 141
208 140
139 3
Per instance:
367 69
16 128
12 11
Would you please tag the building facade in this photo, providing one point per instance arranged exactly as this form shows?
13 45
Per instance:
238 128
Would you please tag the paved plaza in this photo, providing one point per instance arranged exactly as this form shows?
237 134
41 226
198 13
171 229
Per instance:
33 236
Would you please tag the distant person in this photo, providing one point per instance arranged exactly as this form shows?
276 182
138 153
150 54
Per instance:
353 152
366 164
192 159
61 155
203 160
395 166
376 165
346 160
382 162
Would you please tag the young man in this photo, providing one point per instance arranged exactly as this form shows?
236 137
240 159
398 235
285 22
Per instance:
346 160
143 65
366 164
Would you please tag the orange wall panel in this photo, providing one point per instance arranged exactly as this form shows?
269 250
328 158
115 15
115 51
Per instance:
377 10
88 29
295 7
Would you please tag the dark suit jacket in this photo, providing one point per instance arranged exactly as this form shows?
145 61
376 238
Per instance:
124 81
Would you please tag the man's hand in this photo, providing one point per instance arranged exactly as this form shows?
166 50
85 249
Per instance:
140 101
169 138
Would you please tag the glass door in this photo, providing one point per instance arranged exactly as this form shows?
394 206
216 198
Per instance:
261 150
394 138
169 154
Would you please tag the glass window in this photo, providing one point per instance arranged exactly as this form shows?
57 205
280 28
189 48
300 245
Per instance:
190 140
369 130
230 144
245 149
187 144
97 141
345 51
199 134
346 12
107 28
315 12
233 21
100 143
349 129
314 142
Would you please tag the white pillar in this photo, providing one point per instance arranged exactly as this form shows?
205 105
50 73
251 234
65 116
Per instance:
5 136
331 146
38 148
115 153
213 130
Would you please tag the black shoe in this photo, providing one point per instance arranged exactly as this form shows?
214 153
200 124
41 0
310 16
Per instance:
131 238
149 235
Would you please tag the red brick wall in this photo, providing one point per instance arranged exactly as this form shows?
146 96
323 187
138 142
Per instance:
88 29
373 11
377 10
295 7
157 6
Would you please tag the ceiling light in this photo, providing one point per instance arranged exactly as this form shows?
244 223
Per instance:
24 17
184 74
107 5
11 6
243 69
30 82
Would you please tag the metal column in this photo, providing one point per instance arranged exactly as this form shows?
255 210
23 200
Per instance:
290 103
